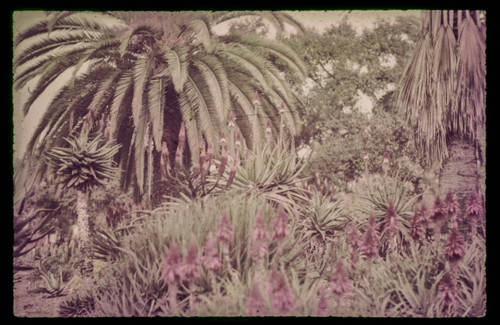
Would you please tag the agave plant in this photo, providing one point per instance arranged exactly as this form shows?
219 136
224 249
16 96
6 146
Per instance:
26 233
82 166
150 74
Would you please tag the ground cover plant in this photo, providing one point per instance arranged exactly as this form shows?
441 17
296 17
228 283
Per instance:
174 185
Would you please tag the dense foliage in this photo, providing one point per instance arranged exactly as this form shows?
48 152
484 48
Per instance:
244 224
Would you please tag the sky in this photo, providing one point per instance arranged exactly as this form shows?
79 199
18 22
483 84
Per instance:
319 20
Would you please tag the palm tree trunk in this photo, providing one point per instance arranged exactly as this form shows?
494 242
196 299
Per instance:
460 172
84 236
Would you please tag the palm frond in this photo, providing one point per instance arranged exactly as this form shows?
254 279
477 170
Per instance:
202 33
242 95
177 60
117 113
442 92
471 89
278 49
155 110
191 127
205 113
215 77
141 71
247 61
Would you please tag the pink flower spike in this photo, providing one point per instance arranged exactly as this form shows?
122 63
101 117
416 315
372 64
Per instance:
255 304
211 259
391 221
340 280
474 207
260 229
225 230
438 210
280 293
281 224
192 262
322 304
451 205
353 240
425 214
369 247
416 229
447 290
172 266
260 238
454 249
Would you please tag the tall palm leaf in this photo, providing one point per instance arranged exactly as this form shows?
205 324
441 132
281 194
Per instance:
442 92
144 73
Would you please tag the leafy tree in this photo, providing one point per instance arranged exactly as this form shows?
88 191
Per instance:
442 95
343 64
151 76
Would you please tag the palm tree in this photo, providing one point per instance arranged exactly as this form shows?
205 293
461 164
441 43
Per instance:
150 76
442 95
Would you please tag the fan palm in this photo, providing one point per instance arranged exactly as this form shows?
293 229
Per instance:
442 94
146 75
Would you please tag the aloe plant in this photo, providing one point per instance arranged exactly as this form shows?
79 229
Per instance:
83 165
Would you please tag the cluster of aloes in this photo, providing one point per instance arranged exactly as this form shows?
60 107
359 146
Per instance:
215 259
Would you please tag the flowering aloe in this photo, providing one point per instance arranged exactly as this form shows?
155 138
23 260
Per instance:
447 291
260 238
437 216
354 243
172 271
191 265
225 230
281 296
322 309
281 224
340 280
416 228
438 210
369 247
454 249
211 259
225 236
425 215
256 306
474 210
451 207
391 226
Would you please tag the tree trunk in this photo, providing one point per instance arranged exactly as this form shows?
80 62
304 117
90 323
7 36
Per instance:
84 237
461 173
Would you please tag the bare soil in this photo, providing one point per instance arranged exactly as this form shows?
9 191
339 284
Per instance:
29 298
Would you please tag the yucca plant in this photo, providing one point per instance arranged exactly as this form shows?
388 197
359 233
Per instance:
82 166
150 74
